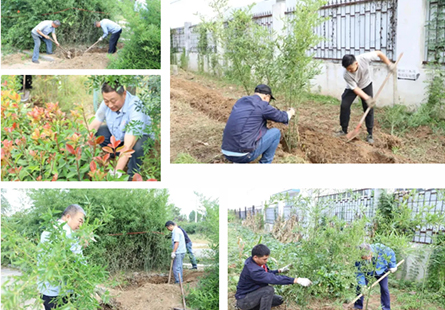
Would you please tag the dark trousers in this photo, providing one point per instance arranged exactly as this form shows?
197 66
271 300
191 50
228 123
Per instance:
345 109
262 299
384 295
113 42
50 302
135 162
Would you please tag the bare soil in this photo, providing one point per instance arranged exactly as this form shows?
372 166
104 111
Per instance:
151 292
200 108
69 58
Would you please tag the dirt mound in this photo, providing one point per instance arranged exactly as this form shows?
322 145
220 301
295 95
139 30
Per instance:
151 292
204 99
316 125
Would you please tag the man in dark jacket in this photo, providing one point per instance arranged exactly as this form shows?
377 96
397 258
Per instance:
246 135
253 290
188 245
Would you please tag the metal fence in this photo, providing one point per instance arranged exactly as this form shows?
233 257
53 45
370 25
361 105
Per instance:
242 213
271 215
355 27
350 205
265 20
435 32
433 198
177 40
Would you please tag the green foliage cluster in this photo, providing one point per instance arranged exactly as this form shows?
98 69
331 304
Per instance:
206 294
129 210
327 251
19 17
142 48
52 261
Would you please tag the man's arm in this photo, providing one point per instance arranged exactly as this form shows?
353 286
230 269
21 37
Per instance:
95 124
42 34
55 38
175 247
129 142
273 114
383 58
359 92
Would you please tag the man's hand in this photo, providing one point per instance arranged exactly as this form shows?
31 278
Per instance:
393 68
47 37
365 290
290 113
100 39
393 269
173 255
116 174
371 102
285 268
303 281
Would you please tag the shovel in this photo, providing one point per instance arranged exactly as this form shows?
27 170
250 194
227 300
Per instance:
68 53
182 291
374 284
91 46
170 273
350 136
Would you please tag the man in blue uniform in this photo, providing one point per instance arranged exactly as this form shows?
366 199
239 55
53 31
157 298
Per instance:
125 122
109 26
246 135
41 32
188 245
253 290
178 250
377 259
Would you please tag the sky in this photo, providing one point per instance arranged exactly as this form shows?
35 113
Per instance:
182 11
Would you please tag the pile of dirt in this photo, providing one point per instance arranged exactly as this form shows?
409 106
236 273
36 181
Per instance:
151 292
317 124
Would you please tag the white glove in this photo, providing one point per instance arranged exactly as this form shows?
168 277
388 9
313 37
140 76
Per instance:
393 269
115 173
285 268
173 255
365 290
370 102
101 38
290 113
304 281
393 68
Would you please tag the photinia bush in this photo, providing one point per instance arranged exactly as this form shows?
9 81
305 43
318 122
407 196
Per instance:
43 144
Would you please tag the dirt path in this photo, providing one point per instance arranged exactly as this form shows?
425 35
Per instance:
96 58
199 111
146 292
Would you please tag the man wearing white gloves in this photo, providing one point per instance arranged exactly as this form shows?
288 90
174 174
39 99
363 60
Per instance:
253 290
179 249
377 259
246 136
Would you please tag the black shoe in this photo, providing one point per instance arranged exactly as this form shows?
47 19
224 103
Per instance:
49 53
194 267
36 61
369 139
340 133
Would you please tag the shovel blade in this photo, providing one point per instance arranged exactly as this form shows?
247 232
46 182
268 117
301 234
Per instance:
353 134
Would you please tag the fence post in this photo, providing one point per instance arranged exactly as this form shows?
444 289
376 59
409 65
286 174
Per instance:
187 37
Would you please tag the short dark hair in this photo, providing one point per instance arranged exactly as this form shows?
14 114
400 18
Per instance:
260 250
348 60
169 223
73 210
107 88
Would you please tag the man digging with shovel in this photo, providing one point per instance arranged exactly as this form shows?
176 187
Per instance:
41 32
377 259
178 249
109 26
358 83
253 290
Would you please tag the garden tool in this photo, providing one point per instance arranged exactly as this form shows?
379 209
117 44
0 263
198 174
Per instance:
376 282
170 273
350 136
68 53
91 46
182 290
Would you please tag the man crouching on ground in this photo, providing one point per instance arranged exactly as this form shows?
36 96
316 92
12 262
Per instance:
253 290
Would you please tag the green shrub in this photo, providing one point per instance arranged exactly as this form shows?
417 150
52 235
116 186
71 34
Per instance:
142 47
